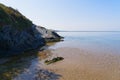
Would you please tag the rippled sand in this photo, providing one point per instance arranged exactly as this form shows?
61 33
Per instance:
82 65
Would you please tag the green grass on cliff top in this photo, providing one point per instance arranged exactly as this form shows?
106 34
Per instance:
12 17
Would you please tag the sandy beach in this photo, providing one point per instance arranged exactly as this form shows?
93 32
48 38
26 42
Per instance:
87 56
82 65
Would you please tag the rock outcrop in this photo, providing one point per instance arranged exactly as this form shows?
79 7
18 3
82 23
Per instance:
49 35
18 34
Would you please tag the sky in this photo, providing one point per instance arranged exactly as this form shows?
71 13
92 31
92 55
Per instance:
78 15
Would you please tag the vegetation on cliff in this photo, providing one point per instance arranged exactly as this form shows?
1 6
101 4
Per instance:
12 17
17 33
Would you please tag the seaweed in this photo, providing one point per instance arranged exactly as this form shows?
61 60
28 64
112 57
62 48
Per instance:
53 60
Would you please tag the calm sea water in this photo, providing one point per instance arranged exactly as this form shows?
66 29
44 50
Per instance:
99 41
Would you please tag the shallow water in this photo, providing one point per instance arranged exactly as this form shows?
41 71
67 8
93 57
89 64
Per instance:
90 52
92 40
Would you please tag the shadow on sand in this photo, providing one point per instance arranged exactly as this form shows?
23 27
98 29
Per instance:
22 67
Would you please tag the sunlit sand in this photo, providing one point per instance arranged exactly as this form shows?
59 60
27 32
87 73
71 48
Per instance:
83 65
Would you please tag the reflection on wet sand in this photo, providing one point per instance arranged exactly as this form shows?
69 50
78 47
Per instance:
27 66
44 54
16 65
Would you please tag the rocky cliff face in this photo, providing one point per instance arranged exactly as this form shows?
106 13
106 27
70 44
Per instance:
49 35
18 34
12 40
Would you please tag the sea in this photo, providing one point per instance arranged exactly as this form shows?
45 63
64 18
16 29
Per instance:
92 40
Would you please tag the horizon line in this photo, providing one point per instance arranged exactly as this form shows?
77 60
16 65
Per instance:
83 31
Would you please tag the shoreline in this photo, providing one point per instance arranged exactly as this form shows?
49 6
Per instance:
77 64
83 65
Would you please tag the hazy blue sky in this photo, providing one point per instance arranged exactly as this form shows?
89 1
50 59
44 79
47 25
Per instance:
70 14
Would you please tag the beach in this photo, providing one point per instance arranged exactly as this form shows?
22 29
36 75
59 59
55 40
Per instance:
87 56
60 40
82 65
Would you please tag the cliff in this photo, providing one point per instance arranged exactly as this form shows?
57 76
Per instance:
18 33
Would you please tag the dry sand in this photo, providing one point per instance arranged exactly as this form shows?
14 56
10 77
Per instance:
82 65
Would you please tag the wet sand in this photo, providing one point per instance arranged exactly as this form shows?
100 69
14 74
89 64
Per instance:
82 65
78 64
